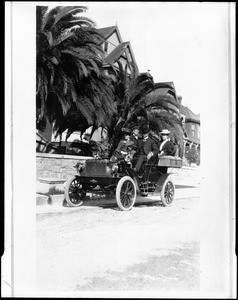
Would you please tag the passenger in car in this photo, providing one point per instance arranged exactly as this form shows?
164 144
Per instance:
166 147
136 138
148 150
155 137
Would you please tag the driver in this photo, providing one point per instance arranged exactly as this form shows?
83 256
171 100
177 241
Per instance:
124 146
147 151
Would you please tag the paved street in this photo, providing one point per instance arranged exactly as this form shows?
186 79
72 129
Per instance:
100 248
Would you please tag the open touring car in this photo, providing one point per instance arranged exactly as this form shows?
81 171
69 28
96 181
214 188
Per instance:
122 181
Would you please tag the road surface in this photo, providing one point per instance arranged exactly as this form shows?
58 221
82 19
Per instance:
95 248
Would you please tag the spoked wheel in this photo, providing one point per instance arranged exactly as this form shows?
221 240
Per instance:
126 193
74 192
167 192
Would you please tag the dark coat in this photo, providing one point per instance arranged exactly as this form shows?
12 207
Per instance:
168 148
148 146
137 143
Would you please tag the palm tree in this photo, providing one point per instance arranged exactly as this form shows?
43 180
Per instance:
137 106
130 90
71 82
163 112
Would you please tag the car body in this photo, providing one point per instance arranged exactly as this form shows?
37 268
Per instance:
120 179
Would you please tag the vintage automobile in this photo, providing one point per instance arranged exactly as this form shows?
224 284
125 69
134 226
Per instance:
121 180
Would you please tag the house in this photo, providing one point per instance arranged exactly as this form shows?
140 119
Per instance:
191 123
116 50
190 120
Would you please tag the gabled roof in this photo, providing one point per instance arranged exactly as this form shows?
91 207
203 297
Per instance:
189 115
161 91
116 53
107 30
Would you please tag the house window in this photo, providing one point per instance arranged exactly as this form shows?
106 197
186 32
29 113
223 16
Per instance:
106 46
114 40
192 130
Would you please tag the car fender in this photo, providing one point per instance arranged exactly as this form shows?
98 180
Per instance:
133 175
161 182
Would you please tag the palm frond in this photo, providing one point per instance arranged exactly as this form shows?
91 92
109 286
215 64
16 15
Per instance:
63 36
40 12
53 16
84 69
163 85
87 109
95 67
48 19
64 11
65 105
162 105
150 100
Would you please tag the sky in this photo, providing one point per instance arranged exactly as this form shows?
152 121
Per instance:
182 42
176 41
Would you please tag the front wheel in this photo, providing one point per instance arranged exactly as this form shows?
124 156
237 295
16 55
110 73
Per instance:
126 193
74 192
167 192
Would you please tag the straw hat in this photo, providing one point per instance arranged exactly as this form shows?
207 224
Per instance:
165 131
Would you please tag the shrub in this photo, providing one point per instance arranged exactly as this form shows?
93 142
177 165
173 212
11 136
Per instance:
192 156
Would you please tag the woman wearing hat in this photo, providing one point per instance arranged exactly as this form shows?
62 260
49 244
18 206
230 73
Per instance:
166 146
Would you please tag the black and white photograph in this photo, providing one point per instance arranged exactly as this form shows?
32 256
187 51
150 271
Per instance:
120 150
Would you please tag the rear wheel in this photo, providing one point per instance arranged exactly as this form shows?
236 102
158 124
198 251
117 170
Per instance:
126 193
74 192
167 192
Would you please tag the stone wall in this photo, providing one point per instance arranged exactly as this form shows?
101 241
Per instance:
62 166
56 165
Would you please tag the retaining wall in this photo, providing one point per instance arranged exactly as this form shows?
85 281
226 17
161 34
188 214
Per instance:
57 165
62 167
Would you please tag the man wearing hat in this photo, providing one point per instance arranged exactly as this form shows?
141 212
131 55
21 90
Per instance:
124 145
135 137
148 149
166 146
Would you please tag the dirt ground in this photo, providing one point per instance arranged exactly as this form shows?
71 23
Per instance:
94 248
100 248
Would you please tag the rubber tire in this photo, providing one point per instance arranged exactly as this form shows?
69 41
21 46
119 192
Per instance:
66 192
162 196
144 194
118 192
